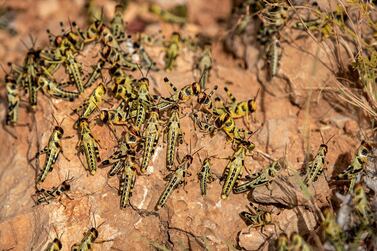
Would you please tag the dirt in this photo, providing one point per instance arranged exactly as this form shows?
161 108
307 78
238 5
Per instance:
291 114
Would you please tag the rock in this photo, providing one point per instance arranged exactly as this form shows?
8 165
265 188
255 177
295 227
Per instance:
351 128
276 133
289 220
286 191
337 120
251 240
46 8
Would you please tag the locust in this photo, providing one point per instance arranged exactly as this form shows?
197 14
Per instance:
117 160
127 181
88 145
74 70
43 196
243 21
356 167
122 87
274 16
225 121
204 125
264 177
233 170
185 93
146 60
189 91
274 53
108 39
166 15
89 238
228 125
127 146
205 102
143 102
167 103
65 54
117 23
13 99
361 204
113 117
332 230
95 74
92 33
282 242
51 59
256 218
150 137
29 76
315 167
174 136
113 56
242 108
116 116
76 38
204 66
112 51
297 242
205 175
176 178
52 151
93 12
87 241
69 40
55 245
93 102
172 51
51 87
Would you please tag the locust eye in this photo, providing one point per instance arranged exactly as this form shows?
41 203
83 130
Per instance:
364 152
66 187
95 232
59 129
252 105
197 88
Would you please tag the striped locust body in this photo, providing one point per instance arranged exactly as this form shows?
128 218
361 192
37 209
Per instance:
55 245
43 196
52 151
233 170
315 167
13 100
256 217
174 135
357 165
88 145
262 178
52 88
175 179
74 70
86 243
127 182
205 176
273 52
94 100
150 137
